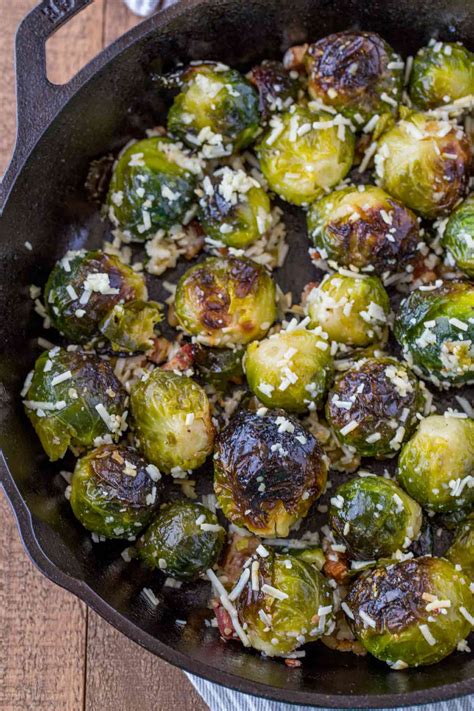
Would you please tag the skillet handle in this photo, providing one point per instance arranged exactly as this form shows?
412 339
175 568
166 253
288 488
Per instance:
37 98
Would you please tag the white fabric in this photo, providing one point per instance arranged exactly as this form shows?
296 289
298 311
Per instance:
219 698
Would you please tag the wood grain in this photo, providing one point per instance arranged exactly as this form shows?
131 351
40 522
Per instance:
55 655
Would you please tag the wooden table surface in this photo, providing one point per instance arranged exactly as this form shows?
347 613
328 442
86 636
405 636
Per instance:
55 654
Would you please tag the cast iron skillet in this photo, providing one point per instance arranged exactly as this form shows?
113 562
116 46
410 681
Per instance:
42 200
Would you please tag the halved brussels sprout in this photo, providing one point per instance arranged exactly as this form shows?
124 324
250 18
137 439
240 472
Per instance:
217 110
268 470
374 517
114 492
83 289
285 603
74 400
351 310
436 465
290 369
172 419
435 327
277 90
234 209
218 367
441 73
411 613
373 406
365 228
183 541
458 236
226 301
461 551
357 73
130 327
152 186
304 152
425 163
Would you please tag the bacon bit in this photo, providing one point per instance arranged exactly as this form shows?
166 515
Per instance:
294 56
224 622
239 549
183 360
307 291
337 569
159 351
292 663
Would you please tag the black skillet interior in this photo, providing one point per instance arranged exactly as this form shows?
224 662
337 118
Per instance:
115 100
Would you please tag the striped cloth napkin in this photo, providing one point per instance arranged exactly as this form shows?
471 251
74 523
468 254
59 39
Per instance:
219 698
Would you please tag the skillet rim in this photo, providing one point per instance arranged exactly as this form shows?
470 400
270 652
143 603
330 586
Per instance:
24 517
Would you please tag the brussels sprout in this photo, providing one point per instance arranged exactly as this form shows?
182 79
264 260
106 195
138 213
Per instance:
435 328
374 517
183 541
83 289
461 551
373 406
268 470
441 73
350 310
365 228
424 162
152 186
290 369
357 73
113 491
217 110
226 301
411 613
234 209
436 465
458 236
74 400
131 326
303 153
220 368
277 90
285 603
172 420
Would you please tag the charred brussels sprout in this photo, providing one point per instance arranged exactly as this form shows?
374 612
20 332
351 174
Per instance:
424 162
226 301
130 327
364 228
217 110
290 369
357 73
277 90
458 237
74 400
83 289
234 209
351 310
172 420
183 541
435 328
219 367
113 491
437 463
268 470
374 517
442 72
152 186
303 153
461 551
291 604
411 613
373 406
